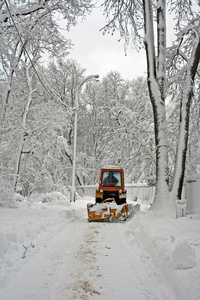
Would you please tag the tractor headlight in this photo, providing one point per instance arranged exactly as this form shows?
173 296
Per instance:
120 191
101 191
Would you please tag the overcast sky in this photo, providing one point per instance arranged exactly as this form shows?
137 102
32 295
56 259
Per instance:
100 54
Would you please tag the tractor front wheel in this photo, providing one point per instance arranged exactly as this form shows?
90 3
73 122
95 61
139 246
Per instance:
98 200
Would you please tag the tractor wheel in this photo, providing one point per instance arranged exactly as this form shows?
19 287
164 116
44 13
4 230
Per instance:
121 201
98 200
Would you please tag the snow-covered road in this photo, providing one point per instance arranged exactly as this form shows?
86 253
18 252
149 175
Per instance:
70 258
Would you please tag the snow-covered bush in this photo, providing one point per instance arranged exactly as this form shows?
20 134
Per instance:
55 197
7 197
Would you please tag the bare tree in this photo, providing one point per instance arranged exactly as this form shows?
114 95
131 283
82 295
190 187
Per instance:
29 25
28 29
183 60
64 78
130 17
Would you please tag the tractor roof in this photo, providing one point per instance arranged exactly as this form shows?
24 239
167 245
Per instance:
111 168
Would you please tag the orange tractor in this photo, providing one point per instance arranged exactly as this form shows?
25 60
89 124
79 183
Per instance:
110 200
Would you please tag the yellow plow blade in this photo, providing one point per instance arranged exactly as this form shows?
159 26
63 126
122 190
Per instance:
107 210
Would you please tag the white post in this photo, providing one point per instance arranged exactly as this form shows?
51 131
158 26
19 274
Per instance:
88 78
74 157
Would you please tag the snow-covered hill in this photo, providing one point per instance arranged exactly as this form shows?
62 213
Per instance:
48 250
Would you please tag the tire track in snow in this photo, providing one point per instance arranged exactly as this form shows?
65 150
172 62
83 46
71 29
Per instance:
127 271
107 266
84 277
119 280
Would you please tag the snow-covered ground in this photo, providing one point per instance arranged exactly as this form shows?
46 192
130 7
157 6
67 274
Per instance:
50 251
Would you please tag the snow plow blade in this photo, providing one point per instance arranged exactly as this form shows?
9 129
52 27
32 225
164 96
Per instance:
107 210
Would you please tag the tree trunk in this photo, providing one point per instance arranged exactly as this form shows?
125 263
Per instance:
23 127
156 85
15 62
162 191
181 151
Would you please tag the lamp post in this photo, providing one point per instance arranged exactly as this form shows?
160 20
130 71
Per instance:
88 78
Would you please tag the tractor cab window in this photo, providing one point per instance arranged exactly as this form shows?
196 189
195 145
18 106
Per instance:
111 178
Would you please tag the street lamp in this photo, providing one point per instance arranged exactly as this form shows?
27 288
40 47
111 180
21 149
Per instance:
88 78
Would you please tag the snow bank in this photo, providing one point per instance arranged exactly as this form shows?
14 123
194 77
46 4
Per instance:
174 246
184 256
3 244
